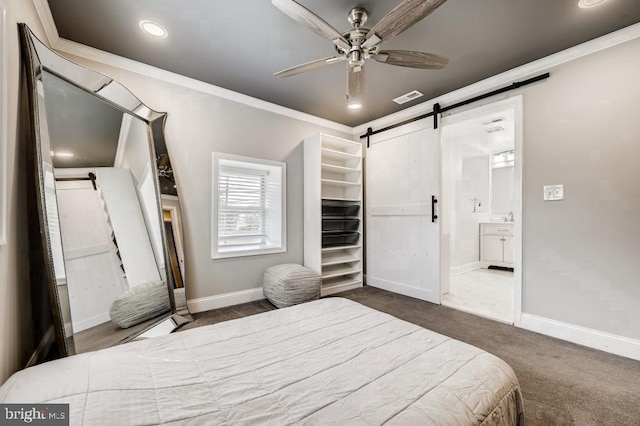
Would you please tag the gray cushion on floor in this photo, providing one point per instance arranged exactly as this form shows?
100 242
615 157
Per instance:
290 284
140 303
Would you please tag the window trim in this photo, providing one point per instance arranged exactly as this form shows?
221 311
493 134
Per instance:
256 164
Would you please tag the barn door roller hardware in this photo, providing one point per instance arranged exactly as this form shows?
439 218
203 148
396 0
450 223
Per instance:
437 109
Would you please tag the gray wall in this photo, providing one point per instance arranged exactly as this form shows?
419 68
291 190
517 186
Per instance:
581 130
16 338
197 125
582 255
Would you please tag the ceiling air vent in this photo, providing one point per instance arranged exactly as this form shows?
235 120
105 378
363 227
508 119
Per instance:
495 125
494 121
407 97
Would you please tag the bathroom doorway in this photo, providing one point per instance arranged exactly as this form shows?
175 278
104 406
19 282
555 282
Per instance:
481 211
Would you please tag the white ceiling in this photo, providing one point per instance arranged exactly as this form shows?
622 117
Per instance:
471 137
239 44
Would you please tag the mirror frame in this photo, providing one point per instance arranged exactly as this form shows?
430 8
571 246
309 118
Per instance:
36 60
4 124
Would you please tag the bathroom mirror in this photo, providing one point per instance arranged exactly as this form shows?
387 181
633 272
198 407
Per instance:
502 183
109 210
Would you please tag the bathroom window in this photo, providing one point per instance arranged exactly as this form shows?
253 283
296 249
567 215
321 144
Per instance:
248 206
503 159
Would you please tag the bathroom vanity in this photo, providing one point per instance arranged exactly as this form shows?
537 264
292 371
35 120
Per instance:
496 245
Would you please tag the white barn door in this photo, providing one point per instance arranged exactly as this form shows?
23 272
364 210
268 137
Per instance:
403 239
94 276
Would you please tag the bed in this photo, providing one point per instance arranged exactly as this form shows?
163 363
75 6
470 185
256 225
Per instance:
331 361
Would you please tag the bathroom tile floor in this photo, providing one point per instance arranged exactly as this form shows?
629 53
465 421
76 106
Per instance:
484 292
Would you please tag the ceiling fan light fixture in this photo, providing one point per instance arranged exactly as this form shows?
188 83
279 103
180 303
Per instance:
354 106
584 4
153 29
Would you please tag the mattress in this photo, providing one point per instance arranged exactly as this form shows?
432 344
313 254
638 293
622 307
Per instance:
331 361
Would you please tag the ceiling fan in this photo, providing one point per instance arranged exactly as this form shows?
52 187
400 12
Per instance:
359 43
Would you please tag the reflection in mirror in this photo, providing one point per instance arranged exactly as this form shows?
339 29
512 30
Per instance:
115 242
502 182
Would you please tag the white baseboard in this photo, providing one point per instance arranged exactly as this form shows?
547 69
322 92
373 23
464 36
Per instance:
223 300
463 269
416 293
619 345
85 324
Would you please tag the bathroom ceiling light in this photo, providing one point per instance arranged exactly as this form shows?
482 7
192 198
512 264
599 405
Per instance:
354 106
153 28
590 3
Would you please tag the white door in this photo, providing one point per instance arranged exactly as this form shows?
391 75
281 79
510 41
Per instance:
403 247
94 277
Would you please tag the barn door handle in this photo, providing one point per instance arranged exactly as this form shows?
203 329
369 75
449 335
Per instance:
434 201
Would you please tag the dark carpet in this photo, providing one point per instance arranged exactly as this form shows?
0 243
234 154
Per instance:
562 383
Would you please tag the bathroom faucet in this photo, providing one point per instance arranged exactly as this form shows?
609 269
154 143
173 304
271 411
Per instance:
510 219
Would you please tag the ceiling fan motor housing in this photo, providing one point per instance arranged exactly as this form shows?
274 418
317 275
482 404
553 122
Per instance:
357 17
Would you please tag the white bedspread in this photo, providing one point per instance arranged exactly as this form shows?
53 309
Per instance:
332 361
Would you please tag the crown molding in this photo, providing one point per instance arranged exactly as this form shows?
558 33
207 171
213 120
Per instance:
72 48
541 65
536 67
96 55
46 19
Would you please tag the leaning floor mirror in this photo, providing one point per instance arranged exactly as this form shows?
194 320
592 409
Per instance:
109 210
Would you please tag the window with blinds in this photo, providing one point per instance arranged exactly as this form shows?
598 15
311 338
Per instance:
249 206
241 206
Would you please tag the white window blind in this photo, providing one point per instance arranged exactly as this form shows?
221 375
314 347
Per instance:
242 206
249 206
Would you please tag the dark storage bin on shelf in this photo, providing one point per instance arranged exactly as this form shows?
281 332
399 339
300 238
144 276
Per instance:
340 209
337 239
333 225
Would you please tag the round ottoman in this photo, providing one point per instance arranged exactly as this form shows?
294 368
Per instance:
290 284
140 303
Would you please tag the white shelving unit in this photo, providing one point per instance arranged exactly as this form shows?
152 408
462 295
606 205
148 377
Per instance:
333 211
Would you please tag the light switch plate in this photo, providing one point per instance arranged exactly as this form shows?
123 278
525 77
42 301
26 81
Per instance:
553 192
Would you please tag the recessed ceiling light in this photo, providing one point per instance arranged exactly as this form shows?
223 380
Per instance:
62 154
590 3
153 28
354 105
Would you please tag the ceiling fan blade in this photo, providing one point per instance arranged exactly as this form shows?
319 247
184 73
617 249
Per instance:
408 58
402 17
319 63
304 16
355 82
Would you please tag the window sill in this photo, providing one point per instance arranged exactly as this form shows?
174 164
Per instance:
230 252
